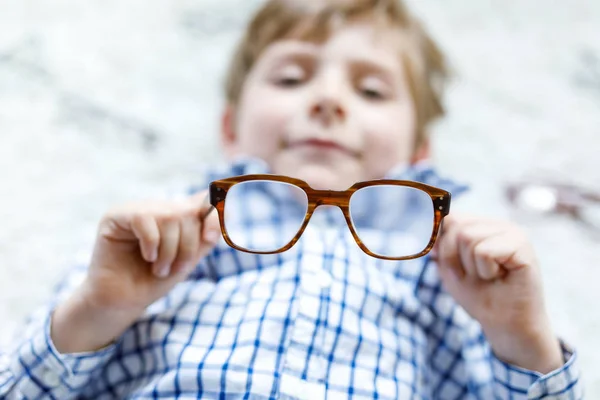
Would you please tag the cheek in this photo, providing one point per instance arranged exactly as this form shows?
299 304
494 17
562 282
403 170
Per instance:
389 140
261 125
385 146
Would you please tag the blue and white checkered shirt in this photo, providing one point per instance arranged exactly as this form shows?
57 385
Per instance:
320 321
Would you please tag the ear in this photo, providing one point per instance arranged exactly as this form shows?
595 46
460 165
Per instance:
422 152
228 136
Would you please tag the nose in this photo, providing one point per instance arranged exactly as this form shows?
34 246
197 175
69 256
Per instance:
327 111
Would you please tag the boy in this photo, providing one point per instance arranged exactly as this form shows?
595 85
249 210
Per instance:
330 92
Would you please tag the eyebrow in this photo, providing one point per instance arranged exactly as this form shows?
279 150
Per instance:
299 51
384 69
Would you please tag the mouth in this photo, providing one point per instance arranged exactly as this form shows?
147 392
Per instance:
324 145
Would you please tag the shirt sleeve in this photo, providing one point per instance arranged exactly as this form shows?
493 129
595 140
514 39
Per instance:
463 365
34 369
563 383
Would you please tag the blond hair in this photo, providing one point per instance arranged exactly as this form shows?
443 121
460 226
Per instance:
422 59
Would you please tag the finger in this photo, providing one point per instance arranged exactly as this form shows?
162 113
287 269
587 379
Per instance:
169 245
210 228
146 230
211 231
510 252
201 202
469 237
450 223
189 243
448 255
486 266
465 254
452 220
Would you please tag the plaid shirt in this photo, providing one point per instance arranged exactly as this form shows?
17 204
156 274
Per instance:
322 320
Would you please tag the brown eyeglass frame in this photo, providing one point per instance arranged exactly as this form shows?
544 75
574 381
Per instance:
440 202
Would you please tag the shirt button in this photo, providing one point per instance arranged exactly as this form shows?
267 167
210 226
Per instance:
50 378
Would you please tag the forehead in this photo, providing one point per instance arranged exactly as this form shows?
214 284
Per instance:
358 40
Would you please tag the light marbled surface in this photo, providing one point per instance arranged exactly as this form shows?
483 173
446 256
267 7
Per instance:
107 101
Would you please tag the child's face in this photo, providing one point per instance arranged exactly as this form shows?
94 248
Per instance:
331 114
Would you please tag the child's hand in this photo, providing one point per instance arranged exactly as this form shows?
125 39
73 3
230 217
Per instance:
490 269
141 252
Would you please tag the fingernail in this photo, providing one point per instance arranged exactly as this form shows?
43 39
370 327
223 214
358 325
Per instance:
211 236
163 271
183 268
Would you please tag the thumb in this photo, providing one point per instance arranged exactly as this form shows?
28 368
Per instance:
445 252
201 202
210 229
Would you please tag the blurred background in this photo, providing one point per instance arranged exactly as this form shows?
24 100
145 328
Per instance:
109 101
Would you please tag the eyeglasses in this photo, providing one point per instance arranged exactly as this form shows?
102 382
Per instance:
389 219
541 196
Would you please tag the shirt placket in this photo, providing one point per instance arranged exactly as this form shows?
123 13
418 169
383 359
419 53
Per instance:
307 335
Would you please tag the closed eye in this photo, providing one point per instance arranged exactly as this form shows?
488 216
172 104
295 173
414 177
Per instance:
372 94
373 88
288 82
290 75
